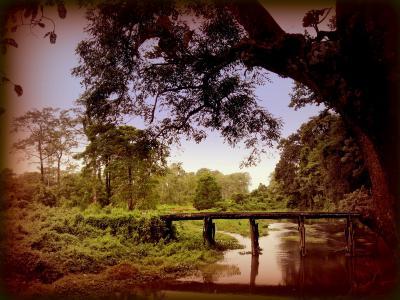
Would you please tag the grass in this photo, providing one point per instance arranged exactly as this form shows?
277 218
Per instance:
46 244
54 247
235 226
241 226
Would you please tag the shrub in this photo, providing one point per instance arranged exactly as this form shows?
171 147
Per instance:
45 196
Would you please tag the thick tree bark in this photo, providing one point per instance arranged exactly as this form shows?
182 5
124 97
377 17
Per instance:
382 215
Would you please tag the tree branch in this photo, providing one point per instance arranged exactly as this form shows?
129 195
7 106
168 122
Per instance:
256 20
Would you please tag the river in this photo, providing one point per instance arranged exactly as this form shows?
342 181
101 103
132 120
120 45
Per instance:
279 272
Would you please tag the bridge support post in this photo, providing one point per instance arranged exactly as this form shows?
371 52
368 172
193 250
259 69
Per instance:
302 231
169 231
349 234
209 231
254 234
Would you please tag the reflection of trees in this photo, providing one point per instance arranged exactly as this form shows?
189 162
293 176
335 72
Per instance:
213 272
325 269
138 293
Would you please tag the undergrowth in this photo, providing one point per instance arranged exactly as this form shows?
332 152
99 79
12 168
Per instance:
46 243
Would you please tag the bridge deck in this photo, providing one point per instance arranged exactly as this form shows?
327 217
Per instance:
259 215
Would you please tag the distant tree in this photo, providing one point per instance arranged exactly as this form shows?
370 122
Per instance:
63 139
231 184
234 184
36 126
124 160
177 186
207 193
46 135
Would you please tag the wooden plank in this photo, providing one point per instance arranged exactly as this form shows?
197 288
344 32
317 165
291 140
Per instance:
259 215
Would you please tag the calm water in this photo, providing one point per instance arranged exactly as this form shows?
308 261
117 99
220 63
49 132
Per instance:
326 270
280 273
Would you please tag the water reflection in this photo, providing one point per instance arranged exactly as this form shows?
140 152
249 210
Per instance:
325 270
254 269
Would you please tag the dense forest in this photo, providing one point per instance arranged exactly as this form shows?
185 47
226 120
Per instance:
320 168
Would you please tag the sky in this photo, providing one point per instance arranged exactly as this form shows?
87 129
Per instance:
43 70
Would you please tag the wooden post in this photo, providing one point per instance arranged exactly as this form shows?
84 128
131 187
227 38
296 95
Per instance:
349 234
209 231
254 234
169 232
302 231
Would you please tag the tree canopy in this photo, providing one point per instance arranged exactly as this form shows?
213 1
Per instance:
208 192
319 164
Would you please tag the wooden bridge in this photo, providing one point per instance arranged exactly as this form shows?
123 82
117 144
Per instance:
209 226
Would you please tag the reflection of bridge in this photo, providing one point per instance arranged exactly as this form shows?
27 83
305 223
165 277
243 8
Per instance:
209 226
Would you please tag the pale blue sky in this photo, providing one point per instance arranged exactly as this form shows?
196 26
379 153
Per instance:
44 72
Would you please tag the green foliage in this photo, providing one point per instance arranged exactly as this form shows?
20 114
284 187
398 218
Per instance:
122 162
319 165
187 81
45 195
46 243
241 226
76 190
207 193
179 187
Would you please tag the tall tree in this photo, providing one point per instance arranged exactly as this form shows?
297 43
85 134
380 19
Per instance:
35 127
63 138
125 160
47 135
177 186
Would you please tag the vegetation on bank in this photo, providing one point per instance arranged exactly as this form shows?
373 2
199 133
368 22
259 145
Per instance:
47 243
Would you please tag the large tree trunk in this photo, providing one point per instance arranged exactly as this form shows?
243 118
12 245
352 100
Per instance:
368 32
382 215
